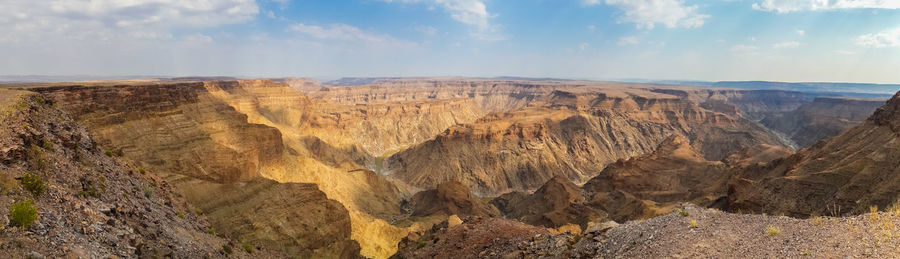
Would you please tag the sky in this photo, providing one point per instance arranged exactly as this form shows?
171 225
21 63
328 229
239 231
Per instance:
712 40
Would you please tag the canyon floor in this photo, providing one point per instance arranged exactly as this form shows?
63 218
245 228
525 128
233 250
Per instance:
447 168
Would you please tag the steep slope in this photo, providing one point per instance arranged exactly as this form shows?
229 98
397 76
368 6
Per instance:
821 119
558 202
651 184
88 204
195 135
843 175
380 129
569 134
450 198
295 218
175 127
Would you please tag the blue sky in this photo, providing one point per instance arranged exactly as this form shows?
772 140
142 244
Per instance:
779 40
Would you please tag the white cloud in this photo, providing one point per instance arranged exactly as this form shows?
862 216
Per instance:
647 13
22 21
583 46
740 48
630 40
198 39
470 12
787 6
786 45
887 38
342 32
844 52
800 32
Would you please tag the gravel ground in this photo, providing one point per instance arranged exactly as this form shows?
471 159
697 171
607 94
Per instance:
715 234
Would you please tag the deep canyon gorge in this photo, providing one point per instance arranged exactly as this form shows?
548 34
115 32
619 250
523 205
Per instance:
299 168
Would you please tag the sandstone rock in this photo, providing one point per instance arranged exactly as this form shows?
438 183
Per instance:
450 198
454 220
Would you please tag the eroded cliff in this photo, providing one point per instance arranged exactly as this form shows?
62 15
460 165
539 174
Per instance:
569 134
842 175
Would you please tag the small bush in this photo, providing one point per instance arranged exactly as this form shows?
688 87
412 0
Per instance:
22 214
39 100
226 249
422 244
211 231
47 144
142 170
684 213
148 192
773 231
92 187
248 247
35 156
180 214
693 223
33 184
198 212
817 220
108 153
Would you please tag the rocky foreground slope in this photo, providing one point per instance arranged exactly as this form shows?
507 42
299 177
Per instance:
691 232
87 203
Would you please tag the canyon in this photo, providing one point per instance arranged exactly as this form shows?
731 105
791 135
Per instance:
302 168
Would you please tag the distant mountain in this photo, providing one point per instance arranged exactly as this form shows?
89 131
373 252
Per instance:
862 90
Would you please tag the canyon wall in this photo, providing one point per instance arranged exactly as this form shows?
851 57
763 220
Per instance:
843 175
569 134
821 119
205 140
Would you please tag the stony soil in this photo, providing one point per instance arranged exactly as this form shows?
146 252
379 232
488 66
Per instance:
95 205
716 234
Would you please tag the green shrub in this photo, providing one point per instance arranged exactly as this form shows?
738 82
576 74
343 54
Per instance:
91 188
148 192
108 153
211 231
180 214
684 213
23 213
35 156
773 231
47 144
227 249
422 244
39 100
33 184
248 247
142 170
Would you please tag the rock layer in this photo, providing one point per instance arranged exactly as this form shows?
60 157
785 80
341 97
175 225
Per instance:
569 134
